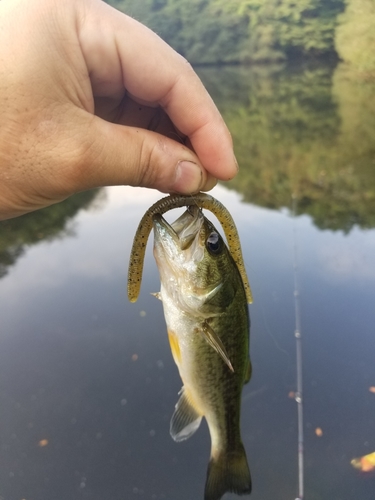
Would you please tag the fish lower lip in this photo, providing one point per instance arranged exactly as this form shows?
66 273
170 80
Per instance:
159 220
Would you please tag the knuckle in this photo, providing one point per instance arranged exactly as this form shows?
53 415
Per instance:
146 168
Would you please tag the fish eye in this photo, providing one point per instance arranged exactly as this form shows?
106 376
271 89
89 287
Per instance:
214 243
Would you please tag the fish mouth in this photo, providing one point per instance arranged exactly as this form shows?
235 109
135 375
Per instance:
178 250
182 232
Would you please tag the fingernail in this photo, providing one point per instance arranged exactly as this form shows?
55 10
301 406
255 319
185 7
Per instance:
210 183
236 163
189 177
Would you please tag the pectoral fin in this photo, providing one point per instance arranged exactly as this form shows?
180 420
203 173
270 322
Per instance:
214 340
185 419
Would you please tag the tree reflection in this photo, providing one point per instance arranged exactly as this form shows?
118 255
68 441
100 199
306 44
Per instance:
22 232
305 131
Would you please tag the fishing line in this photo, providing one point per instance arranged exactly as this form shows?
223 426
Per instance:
298 337
272 336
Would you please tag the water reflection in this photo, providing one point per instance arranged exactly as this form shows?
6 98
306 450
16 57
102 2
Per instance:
308 131
18 234
92 375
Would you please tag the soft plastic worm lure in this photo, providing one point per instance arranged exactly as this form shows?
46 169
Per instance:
162 206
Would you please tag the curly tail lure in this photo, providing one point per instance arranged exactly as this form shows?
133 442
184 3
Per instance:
162 206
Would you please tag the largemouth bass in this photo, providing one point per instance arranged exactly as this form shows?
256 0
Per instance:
205 308
204 290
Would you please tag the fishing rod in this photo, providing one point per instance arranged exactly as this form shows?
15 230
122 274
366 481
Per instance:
298 337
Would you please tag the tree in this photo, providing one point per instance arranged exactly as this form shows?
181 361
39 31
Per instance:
217 31
197 29
286 28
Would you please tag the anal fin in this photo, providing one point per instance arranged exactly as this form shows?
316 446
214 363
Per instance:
185 419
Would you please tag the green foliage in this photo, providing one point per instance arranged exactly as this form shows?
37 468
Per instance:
213 31
285 28
195 28
355 36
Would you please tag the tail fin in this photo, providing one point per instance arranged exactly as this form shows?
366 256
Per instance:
228 471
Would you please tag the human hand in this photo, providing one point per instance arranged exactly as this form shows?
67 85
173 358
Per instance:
90 97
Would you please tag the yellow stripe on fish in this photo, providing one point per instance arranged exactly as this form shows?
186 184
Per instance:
175 348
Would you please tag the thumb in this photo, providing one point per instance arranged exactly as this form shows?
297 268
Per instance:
117 154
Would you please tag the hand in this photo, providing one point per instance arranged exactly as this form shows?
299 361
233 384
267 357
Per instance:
89 97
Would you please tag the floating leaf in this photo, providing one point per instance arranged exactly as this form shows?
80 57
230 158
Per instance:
43 442
319 432
372 389
365 463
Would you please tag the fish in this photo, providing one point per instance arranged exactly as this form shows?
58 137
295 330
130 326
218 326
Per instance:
205 307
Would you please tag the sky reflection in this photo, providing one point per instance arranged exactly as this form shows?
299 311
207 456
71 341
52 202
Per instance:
93 374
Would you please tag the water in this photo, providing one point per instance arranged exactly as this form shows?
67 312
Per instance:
87 381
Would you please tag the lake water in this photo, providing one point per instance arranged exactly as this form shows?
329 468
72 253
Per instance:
87 380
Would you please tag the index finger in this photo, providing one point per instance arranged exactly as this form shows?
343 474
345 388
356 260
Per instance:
119 51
